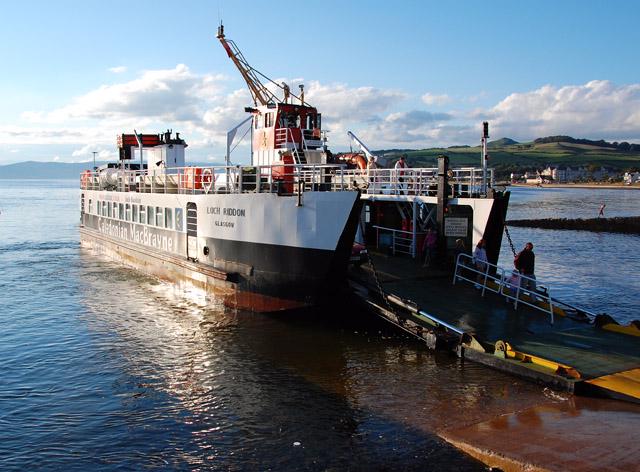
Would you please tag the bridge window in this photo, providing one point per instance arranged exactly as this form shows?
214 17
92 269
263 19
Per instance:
289 120
150 215
143 214
134 213
127 212
179 219
168 218
159 219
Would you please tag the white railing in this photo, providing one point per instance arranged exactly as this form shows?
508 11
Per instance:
401 242
507 283
282 179
463 182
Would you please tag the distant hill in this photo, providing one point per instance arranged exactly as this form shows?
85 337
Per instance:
506 155
58 170
623 146
44 170
502 142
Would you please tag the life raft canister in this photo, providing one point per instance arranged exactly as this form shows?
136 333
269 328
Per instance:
84 179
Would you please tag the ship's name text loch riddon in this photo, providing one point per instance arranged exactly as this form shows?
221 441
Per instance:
143 235
226 211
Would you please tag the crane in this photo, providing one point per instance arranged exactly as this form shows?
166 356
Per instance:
261 95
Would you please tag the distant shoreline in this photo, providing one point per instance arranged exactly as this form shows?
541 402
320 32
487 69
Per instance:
593 185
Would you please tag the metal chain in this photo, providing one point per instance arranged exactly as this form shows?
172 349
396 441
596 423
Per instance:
378 284
506 231
375 273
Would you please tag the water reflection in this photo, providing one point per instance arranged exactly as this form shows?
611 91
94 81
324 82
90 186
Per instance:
240 388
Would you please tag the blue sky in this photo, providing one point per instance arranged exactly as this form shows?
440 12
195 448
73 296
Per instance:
399 74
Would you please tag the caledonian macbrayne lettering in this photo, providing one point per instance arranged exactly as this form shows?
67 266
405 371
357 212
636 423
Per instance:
226 211
141 236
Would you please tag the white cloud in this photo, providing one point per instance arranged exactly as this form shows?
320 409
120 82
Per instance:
55 158
344 108
405 129
202 108
597 109
429 99
175 95
118 69
89 149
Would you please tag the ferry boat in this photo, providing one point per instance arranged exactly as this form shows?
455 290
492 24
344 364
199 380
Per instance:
279 233
274 235
265 237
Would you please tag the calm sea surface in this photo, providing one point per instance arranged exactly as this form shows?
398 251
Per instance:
597 271
102 368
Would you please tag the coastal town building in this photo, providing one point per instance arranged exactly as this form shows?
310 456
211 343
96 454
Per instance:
562 174
630 178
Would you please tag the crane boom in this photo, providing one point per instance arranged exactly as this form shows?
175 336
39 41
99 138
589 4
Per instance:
260 93
361 145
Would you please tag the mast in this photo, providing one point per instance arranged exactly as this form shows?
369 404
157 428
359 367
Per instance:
485 155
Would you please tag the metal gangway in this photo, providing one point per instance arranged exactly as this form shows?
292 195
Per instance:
507 283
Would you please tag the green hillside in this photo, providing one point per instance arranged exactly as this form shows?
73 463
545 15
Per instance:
520 157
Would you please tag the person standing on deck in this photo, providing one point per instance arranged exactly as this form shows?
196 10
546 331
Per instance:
525 262
399 170
481 261
459 249
429 247
371 171
601 212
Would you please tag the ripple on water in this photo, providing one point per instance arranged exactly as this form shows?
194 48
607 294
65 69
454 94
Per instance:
105 368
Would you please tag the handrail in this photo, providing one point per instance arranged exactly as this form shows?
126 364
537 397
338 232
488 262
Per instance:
497 281
402 244
464 182
282 179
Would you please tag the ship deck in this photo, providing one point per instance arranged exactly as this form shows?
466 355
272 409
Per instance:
570 354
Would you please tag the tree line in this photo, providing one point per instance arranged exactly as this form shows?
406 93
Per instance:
623 146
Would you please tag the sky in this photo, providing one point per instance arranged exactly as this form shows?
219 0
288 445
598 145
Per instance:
403 74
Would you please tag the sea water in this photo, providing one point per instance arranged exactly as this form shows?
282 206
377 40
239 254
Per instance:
103 368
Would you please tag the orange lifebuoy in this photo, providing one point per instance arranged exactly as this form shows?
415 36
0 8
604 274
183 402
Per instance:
355 159
84 179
